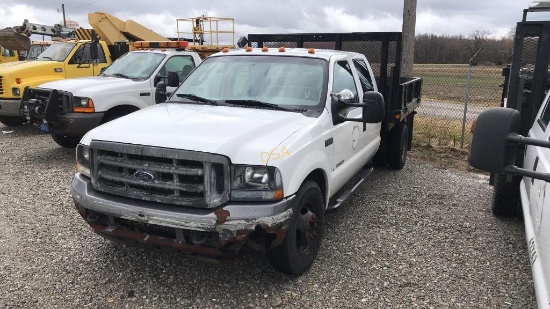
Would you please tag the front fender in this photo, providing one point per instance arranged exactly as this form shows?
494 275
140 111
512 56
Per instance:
105 103
301 154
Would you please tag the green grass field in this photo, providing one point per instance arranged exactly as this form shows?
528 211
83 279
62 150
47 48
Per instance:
447 83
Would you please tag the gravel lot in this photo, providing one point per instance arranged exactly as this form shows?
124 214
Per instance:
421 237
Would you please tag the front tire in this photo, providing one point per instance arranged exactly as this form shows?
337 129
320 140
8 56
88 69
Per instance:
506 196
66 141
12 121
303 239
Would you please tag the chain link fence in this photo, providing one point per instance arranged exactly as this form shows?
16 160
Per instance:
452 97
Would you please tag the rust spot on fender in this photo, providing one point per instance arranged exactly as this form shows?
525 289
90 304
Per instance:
221 215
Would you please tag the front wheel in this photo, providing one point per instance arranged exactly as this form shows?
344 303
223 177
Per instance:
12 121
506 196
66 141
303 239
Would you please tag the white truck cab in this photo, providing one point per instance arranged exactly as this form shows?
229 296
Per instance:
69 108
252 148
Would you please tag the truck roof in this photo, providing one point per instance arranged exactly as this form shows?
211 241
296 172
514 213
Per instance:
166 51
325 54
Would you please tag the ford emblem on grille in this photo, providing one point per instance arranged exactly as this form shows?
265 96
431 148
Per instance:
144 176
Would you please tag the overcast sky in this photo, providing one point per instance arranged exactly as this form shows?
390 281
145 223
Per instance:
449 17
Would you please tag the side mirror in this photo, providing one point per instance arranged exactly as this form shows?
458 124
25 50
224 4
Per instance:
94 47
173 79
344 96
491 148
373 107
160 92
494 141
157 79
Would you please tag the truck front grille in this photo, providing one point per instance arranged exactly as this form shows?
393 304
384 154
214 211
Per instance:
1 84
162 175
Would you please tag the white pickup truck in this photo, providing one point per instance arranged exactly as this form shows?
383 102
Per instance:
253 147
513 143
69 108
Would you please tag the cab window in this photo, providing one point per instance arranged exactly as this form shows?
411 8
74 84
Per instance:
83 55
364 75
7 53
545 116
343 79
183 65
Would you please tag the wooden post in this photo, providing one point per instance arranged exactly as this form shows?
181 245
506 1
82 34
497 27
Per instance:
409 24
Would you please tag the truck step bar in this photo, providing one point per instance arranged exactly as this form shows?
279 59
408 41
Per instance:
338 200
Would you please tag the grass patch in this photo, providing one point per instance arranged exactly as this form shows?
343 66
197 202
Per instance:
439 132
447 82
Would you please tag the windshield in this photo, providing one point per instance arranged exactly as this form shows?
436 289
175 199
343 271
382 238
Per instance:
135 65
57 52
280 80
35 51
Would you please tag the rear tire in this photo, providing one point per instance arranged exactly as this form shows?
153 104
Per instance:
12 121
397 146
303 238
66 141
506 196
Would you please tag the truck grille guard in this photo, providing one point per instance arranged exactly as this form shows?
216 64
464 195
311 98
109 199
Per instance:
162 175
38 104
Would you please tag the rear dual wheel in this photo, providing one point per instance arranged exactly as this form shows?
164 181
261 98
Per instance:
397 146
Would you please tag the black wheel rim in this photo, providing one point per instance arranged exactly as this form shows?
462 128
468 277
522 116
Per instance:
306 228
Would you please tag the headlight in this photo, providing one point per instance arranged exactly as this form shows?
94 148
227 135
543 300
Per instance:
83 105
15 92
256 183
83 159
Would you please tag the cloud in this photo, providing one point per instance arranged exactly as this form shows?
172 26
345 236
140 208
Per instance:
433 16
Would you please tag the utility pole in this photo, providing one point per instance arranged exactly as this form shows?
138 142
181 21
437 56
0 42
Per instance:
64 20
409 24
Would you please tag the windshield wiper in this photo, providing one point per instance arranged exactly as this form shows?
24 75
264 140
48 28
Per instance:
196 98
46 57
259 104
121 75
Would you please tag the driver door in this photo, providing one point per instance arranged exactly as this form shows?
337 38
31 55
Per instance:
79 63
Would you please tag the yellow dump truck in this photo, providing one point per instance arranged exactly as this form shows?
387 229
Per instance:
67 59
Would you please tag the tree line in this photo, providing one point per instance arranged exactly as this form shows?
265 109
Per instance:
477 48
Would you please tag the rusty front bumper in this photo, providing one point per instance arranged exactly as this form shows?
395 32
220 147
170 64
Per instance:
211 233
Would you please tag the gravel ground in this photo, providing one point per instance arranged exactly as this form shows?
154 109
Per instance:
420 237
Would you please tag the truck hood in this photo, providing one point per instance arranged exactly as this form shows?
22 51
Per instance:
87 86
242 134
27 66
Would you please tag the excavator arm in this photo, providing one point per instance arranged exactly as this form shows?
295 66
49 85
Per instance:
17 38
108 28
